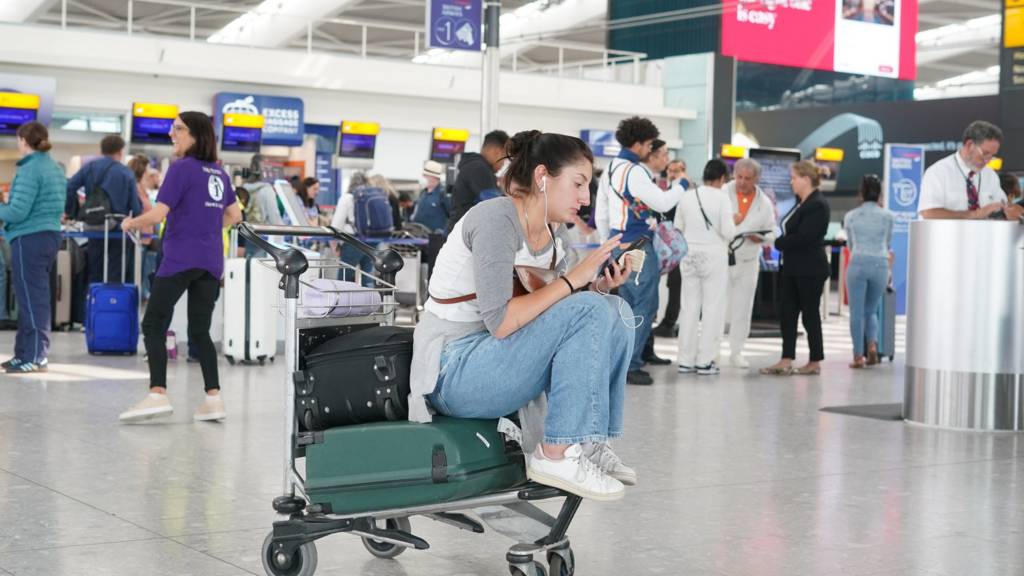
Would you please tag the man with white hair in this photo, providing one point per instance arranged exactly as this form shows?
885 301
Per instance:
754 215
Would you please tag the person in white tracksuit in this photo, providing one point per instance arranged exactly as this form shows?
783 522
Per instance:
705 217
754 215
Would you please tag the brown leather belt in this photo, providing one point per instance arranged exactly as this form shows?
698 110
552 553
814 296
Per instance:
456 300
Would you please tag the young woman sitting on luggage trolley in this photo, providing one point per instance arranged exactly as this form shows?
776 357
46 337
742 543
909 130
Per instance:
482 350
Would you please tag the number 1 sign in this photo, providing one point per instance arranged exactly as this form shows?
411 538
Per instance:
454 24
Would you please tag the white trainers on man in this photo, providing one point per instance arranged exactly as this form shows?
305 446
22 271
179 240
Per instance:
574 473
738 361
152 406
601 454
212 409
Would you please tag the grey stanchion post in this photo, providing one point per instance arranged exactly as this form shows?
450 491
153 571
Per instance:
491 71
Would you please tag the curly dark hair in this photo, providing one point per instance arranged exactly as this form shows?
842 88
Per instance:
635 129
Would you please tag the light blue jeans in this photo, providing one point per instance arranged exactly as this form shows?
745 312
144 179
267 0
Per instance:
577 352
865 284
643 298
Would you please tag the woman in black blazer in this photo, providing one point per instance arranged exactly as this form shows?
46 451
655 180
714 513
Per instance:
804 270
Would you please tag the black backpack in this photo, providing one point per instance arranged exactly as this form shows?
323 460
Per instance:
97 203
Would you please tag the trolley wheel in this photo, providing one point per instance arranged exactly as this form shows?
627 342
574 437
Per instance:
531 569
231 360
387 550
562 562
302 562
263 360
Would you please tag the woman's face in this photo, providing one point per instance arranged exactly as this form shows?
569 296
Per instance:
801 184
568 191
151 180
313 190
181 138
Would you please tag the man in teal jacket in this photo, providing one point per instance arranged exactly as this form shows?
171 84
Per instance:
32 225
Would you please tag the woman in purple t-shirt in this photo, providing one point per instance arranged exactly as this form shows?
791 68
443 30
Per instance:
197 200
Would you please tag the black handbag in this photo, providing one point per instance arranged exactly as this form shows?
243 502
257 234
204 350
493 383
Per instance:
355 378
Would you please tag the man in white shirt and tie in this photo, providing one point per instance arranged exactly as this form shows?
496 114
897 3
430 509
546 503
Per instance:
962 186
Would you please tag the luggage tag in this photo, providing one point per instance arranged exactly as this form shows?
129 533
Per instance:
510 430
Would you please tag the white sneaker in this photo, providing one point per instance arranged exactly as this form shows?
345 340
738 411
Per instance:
686 369
739 361
708 370
210 410
152 406
574 473
601 453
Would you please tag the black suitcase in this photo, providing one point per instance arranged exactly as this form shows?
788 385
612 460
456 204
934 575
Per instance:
356 378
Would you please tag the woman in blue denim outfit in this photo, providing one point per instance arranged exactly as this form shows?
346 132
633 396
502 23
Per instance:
483 351
869 235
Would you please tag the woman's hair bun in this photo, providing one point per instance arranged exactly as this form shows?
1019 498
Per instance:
521 142
44 146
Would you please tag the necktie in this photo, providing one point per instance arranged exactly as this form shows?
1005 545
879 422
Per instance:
972 193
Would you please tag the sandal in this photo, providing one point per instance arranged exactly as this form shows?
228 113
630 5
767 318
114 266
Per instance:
776 371
858 364
805 371
873 356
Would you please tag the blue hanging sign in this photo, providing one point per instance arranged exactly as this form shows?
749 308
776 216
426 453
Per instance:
283 116
904 170
455 24
601 142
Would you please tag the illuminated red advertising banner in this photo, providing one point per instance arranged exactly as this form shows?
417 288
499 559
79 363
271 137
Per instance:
871 37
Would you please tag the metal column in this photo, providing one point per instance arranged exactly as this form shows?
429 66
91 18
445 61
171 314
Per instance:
491 68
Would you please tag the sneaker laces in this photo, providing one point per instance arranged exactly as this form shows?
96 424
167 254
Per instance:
604 458
586 468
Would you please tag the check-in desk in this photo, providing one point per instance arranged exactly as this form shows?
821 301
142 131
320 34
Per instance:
965 325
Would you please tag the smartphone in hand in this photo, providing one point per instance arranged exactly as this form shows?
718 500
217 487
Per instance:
637 244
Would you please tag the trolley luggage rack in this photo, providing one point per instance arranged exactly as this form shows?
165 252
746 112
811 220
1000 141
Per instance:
290 546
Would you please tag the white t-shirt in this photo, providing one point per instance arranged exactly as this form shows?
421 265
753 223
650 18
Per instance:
718 230
945 185
344 218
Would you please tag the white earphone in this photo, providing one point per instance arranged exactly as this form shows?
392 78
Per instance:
544 184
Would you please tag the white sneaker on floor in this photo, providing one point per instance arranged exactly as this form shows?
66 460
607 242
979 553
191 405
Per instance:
574 473
738 361
601 453
686 369
152 406
708 370
211 409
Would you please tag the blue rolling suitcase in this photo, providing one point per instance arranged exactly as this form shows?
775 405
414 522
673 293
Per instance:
112 311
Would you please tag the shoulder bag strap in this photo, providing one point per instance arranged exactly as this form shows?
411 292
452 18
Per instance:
625 186
707 221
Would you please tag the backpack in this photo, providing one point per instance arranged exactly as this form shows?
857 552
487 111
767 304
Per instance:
97 205
373 212
253 211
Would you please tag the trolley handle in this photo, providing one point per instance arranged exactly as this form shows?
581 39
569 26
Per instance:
289 260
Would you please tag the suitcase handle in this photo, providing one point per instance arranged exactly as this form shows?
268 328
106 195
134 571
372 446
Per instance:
387 262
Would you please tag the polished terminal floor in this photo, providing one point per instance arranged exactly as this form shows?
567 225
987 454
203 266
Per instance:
741 475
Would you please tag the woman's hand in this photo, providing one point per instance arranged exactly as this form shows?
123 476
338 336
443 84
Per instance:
130 224
584 272
614 276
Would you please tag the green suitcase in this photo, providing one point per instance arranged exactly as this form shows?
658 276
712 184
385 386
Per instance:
389 465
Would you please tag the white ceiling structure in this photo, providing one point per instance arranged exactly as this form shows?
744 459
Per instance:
958 40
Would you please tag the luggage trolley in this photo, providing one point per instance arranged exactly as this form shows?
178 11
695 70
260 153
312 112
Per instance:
289 549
